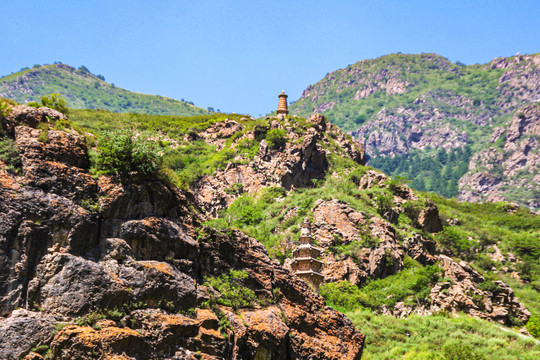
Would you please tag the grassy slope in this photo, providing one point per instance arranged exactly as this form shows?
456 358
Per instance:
439 338
84 90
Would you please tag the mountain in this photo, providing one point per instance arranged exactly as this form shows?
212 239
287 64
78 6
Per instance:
178 241
428 119
84 90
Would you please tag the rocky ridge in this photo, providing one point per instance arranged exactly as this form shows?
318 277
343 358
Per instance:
391 105
73 247
378 250
301 159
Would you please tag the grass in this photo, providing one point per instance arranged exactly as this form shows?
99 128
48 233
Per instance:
438 337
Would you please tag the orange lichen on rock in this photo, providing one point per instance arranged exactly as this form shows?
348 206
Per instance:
6 181
207 318
84 335
158 266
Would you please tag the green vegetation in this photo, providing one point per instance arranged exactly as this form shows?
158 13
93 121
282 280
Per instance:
438 337
82 89
229 290
411 285
9 154
434 171
172 145
53 101
424 74
121 152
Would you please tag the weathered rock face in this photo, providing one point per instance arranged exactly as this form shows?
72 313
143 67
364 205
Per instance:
138 248
220 132
463 293
30 116
301 160
493 170
362 248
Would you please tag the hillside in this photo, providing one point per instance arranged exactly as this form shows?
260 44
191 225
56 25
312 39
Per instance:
204 213
84 90
429 120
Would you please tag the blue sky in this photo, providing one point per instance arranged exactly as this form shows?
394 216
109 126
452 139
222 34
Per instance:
238 55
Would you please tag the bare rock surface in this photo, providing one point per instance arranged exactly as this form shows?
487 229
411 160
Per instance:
30 116
493 170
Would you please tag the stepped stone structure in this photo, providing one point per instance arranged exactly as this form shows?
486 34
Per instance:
282 110
306 264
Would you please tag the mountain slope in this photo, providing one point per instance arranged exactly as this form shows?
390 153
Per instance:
83 90
423 117
219 249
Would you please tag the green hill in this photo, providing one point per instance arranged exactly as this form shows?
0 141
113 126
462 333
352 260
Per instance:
441 125
84 90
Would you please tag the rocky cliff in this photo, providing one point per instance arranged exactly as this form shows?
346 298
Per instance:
95 267
513 166
406 108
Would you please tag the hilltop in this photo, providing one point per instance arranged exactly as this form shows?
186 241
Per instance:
84 90
203 214
433 121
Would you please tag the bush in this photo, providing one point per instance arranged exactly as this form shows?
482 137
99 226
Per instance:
456 350
230 290
9 154
121 152
56 102
244 211
270 194
533 326
343 294
276 138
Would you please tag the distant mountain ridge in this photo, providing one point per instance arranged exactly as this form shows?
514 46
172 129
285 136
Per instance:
426 118
82 89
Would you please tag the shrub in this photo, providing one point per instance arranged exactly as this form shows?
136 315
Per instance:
44 133
343 294
9 154
276 138
230 290
384 203
356 175
244 211
533 326
56 102
122 152
270 194
457 350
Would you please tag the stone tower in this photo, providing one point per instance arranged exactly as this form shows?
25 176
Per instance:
282 110
305 264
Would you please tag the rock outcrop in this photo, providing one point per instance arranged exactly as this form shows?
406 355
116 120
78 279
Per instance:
297 163
493 170
74 247
462 291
